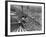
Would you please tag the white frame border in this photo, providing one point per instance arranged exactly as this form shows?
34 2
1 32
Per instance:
32 32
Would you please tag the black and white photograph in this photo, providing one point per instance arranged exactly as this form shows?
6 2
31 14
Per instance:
25 18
